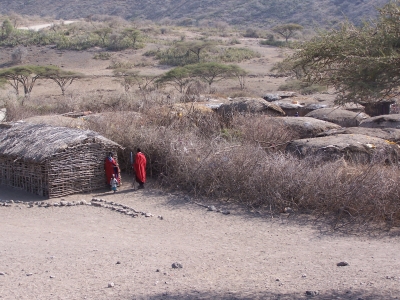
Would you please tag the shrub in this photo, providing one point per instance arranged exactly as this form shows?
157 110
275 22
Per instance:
302 87
251 33
102 56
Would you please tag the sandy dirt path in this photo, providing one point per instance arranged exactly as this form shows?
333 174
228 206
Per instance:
75 252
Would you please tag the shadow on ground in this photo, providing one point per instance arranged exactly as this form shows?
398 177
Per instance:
346 295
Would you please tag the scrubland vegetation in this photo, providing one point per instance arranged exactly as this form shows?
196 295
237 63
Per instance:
236 159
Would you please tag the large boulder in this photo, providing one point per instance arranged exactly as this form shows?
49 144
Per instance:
384 121
250 105
342 117
354 147
302 127
279 95
389 134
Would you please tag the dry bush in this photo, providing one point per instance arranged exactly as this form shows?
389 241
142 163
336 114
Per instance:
252 129
200 160
199 154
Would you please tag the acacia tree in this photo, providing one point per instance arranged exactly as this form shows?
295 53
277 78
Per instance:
211 72
103 34
180 78
362 63
195 47
63 78
287 30
22 75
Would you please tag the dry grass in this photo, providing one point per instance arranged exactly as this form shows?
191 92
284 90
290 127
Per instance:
241 161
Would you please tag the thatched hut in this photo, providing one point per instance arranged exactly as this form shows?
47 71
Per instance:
52 161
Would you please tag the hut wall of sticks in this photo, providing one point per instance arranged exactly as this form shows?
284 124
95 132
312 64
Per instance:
52 161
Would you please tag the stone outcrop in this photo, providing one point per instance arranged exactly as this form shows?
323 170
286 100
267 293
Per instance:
384 121
342 117
354 147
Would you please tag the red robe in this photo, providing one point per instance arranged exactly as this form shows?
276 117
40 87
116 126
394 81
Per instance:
139 167
111 167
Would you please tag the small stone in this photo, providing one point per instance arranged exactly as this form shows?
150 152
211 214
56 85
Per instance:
148 215
63 203
177 265
111 284
11 201
118 263
312 293
2 273
158 270
51 277
304 275
288 210
277 279
29 274
212 208
226 212
342 264
161 217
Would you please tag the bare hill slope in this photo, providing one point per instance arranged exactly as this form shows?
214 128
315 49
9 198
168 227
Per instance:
262 12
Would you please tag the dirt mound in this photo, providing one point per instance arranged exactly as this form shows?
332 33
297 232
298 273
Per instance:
342 117
389 134
384 121
355 147
303 127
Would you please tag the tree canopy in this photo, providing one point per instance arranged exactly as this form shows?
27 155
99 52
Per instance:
361 63
287 30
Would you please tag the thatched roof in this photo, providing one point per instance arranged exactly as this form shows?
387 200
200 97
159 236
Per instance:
38 142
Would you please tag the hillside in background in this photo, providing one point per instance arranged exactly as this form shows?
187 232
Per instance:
235 12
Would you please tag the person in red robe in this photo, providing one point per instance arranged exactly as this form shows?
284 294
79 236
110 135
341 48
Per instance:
111 168
139 166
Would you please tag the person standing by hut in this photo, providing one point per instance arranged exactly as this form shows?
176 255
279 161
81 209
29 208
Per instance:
111 168
139 166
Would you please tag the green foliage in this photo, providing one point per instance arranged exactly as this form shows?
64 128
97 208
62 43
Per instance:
186 53
231 55
182 77
287 30
6 29
72 37
303 88
102 56
362 63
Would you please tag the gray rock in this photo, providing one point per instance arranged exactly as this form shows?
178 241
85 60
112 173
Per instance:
118 263
3 114
250 105
271 97
51 277
384 121
111 284
63 203
212 208
356 147
342 264
2 273
312 293
177 265
148 215
342 117
389 134
226 212
29 274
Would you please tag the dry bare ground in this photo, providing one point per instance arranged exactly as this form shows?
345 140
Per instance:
75 252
